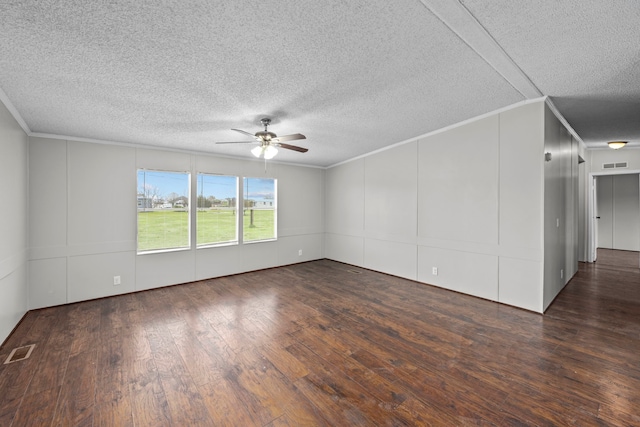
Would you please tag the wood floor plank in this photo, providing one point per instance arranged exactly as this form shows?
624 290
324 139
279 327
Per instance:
115 412
185 403
324 379
149 404
76 401
84 320
325 343
336 410
52 366
8 410
388 393
619 414
300 413
205 364
430 377
263 388
113 400
37 409
282 360
225 407
415 412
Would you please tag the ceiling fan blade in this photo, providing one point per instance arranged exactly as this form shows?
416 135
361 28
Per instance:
293 147
291 137
236 142
244 132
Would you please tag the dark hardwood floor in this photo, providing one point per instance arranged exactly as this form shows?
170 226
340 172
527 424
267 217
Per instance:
324 343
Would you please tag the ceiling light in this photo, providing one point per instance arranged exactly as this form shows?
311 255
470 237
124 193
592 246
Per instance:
270 151
257 151
616 145
266 151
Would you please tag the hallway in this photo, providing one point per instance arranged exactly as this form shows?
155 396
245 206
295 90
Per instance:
604 294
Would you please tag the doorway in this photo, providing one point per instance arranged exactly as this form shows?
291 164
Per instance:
614 211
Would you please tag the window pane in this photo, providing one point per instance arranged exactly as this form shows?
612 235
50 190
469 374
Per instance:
259 217
217 209
163 210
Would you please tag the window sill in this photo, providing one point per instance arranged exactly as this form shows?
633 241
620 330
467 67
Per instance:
162 251
218 245
251 242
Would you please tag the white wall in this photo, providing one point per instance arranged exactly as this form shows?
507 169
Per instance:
467 200
627 154
13 226
458 192
560 214
521 206
83 218
344 207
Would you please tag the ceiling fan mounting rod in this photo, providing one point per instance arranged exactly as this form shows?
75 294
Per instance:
265 122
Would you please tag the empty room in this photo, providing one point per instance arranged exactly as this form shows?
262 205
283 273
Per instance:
372 213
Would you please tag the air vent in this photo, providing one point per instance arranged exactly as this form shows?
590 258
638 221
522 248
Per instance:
615 165
20 353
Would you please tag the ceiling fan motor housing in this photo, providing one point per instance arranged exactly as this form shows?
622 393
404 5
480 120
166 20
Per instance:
269 141
265 135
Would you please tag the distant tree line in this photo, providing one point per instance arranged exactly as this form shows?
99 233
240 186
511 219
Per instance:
212 202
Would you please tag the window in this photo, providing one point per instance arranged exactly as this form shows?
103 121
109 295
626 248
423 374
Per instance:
163 210
259 213
216 218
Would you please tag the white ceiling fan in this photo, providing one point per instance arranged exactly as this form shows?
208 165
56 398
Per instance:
269 141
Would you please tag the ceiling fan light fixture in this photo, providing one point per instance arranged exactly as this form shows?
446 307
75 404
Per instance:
270 152
616 145
266 151
257 151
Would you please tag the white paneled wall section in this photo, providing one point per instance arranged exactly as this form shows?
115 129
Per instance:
83 217
472 201
560 214
14 223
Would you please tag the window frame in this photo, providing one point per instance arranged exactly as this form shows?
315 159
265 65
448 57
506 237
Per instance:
238 230
275 210
188 245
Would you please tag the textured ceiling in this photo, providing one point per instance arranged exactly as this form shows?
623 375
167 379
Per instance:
352 76
584 54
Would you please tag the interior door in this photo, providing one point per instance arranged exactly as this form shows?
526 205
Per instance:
626 213
604 211
592 253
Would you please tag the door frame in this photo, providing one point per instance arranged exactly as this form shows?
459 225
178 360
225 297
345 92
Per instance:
591 208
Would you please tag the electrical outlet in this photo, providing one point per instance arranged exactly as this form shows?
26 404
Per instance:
300 252
434 271
116 280
562 274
